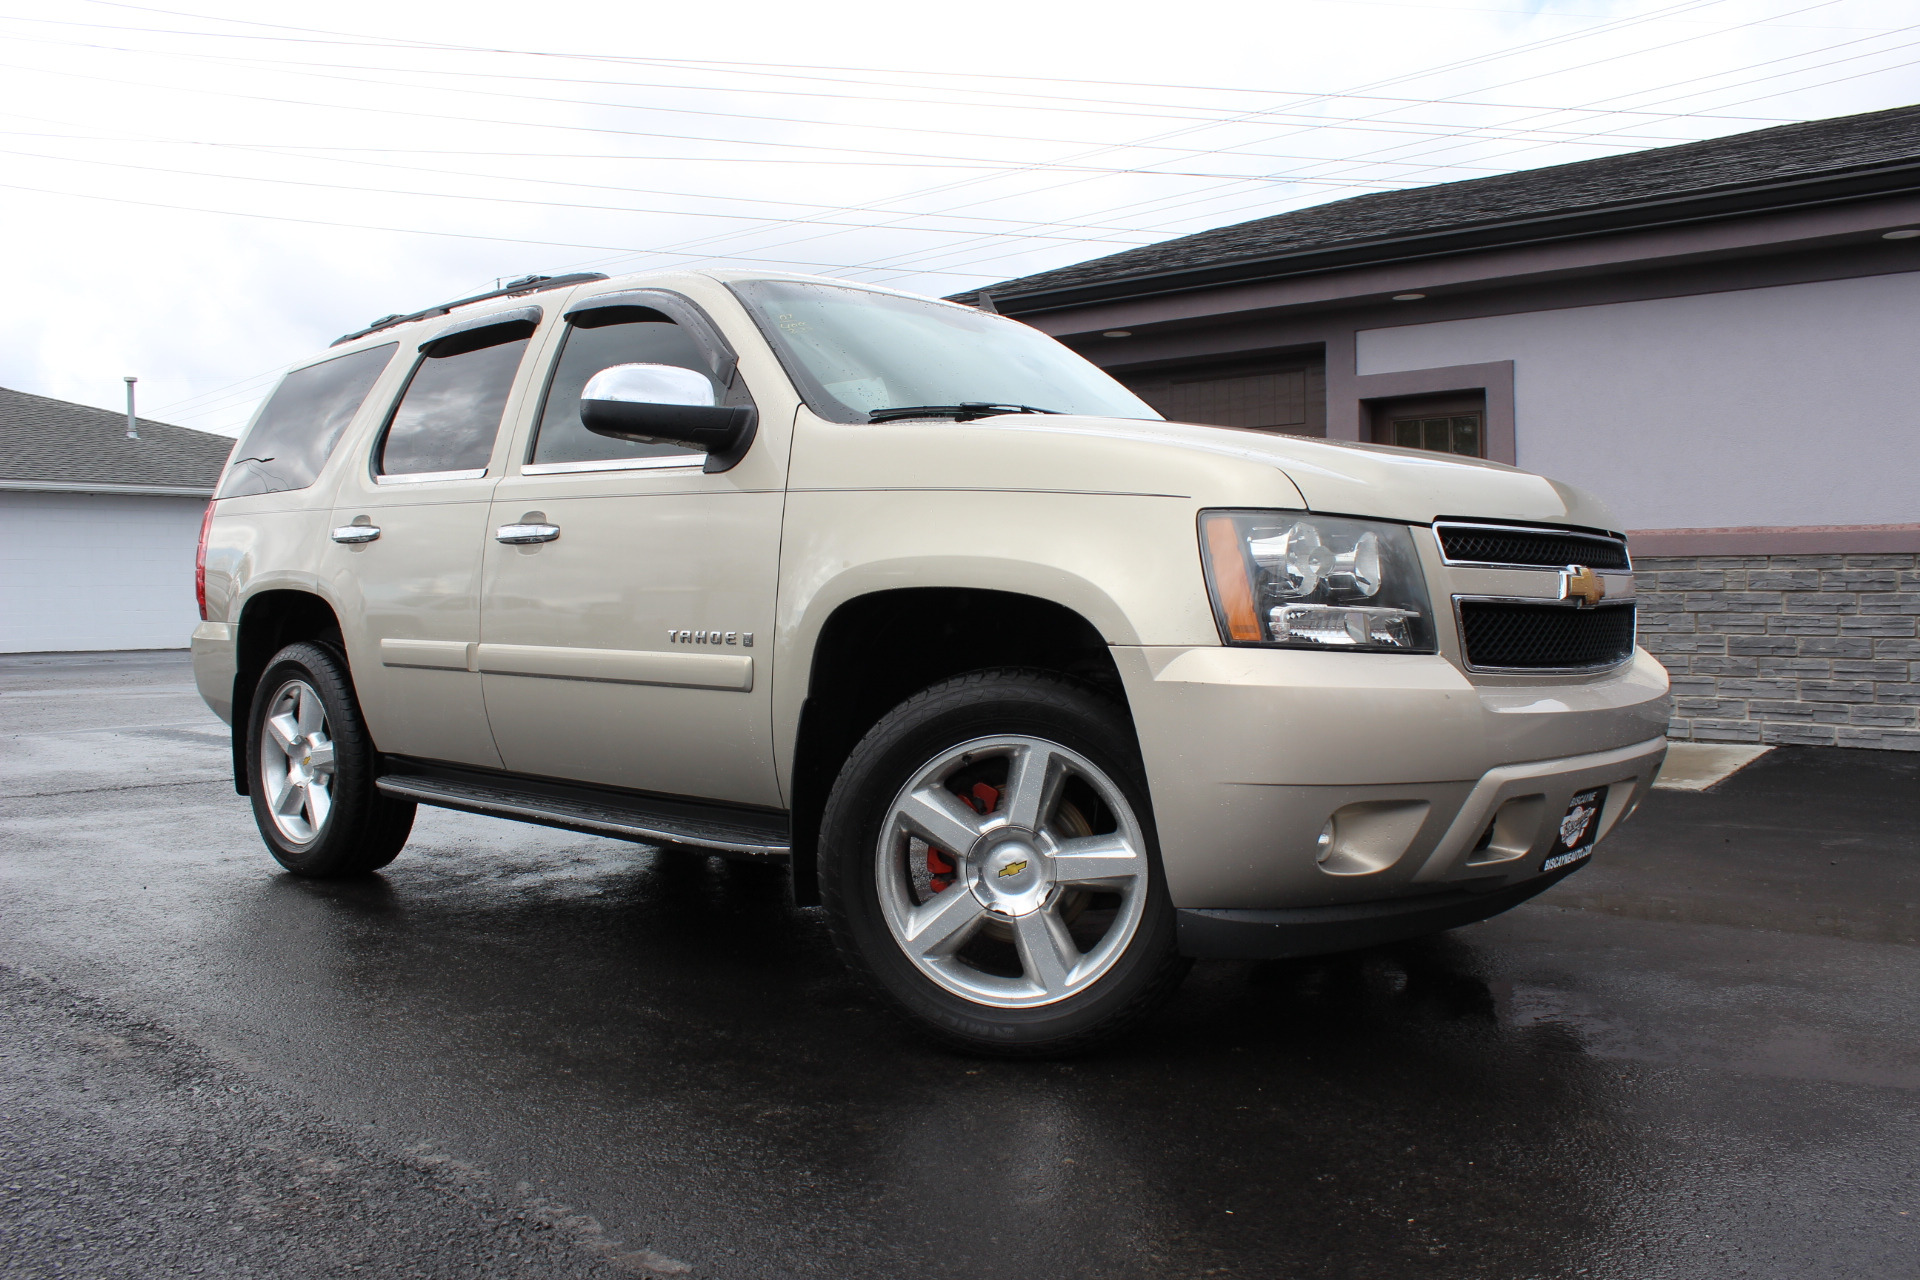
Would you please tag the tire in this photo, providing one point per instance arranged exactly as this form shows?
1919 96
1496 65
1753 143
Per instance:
1051 930
318 810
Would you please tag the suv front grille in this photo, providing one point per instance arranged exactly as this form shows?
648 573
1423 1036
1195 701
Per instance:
1501 635
1529 548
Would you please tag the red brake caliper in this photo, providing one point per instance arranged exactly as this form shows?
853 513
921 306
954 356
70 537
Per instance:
981 798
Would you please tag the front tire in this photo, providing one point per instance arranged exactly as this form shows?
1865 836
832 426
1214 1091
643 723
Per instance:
989 862
311 769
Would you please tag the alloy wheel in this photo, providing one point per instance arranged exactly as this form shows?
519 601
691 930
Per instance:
296 762
1012 871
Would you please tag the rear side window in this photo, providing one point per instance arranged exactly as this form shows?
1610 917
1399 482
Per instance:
302 421
635 336
450 412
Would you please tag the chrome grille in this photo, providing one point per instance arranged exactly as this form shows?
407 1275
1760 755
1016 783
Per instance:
1511 635
1510 546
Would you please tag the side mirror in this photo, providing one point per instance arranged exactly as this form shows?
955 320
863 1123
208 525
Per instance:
665 404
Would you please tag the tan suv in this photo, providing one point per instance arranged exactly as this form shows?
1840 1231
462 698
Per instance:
1038 694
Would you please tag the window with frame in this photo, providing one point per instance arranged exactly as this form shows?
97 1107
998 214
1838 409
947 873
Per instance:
450 412
301 422
1455 423
597 340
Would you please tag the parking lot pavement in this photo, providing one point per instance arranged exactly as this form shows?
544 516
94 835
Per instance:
523 1052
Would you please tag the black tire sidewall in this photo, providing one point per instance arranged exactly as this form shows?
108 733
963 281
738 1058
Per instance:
979 705
360 832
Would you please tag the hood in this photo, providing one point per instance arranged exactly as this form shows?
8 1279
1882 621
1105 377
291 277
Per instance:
1344 478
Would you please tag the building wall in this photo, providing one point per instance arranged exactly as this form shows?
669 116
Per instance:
1792 405
97 571
1821 650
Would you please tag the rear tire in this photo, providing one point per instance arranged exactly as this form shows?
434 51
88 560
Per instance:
989 863
311 769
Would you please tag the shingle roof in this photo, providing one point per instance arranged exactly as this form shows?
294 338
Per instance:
59 442
1883 144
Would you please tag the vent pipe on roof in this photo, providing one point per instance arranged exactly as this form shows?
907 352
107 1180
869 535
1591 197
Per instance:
133 423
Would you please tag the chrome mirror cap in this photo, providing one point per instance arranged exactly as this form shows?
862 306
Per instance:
650 384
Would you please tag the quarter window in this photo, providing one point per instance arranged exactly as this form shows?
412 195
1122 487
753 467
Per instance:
301 422
597 340
450 412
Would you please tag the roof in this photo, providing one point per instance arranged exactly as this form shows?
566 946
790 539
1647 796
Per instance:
1818 161
56 444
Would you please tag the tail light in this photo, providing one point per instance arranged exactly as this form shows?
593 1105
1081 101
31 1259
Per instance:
200 563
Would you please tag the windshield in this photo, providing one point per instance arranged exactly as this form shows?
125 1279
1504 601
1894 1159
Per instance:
853 351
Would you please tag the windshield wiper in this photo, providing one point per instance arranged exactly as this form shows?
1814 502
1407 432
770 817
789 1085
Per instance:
965 412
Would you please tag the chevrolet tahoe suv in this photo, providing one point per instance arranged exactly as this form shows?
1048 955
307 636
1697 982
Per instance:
1041 696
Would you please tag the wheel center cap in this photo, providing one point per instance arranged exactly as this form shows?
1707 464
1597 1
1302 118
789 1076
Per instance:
1013 877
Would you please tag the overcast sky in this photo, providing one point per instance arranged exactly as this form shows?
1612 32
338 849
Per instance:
203 195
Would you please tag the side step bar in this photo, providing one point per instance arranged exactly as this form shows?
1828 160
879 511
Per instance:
598 813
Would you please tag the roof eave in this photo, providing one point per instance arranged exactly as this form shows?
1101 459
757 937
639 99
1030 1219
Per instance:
1826 188
97 486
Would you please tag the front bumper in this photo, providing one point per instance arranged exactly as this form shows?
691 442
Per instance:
1285 932
1250 752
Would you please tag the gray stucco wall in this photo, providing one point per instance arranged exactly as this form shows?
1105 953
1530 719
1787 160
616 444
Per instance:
1809 649
1790 405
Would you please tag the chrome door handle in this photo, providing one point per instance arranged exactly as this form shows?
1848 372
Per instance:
356 533
521 534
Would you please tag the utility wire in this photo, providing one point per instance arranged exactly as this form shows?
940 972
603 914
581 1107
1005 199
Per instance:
945 256
412 231
1684 6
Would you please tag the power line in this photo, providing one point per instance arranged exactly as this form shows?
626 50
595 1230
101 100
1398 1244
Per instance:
940 255
361 40
1684 6
1080 107
412 231
970 134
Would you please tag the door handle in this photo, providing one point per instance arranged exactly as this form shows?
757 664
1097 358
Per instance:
521 534
356 533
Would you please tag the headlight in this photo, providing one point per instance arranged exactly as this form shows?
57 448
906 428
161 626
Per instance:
1315 582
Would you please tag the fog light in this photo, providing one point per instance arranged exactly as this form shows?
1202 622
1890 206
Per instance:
1368 836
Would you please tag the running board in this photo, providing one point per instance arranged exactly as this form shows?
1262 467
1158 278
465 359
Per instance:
637 818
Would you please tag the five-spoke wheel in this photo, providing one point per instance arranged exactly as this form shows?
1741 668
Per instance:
1012 871
311 770
988 858
296 762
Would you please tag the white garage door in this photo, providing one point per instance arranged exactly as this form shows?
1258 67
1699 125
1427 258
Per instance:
96 571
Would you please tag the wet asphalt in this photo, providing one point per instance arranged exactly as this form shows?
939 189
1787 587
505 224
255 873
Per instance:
521 1052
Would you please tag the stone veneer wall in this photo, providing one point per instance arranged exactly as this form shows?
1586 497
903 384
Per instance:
1816 649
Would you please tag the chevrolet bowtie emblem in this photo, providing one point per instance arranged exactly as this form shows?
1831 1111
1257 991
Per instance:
1013 868
1582 585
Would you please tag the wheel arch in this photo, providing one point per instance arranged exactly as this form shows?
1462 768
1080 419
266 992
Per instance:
270 621
855 675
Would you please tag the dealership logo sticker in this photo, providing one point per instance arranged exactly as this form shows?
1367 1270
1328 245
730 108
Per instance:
1575 824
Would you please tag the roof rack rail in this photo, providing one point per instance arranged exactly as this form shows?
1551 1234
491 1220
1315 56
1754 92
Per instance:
526 284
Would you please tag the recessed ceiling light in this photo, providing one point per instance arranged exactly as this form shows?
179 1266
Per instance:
1117 333
1408 297
1906 233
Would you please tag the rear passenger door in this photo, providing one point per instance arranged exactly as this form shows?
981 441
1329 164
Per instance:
406 538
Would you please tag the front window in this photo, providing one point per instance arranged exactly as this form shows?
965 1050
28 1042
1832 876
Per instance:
854 351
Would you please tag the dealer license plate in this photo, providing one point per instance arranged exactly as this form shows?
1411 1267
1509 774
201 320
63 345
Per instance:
1579 829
